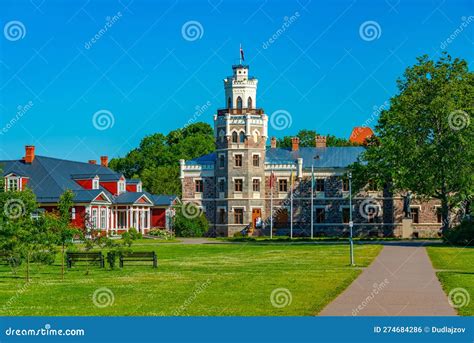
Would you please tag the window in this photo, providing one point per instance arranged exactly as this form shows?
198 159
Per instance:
439 215
221 161
95 184
121 187
256 185
94 218
238 215
415 212
13 183
222 216
320 215
199 186
239 102
145 219
73 213
103 218
122 219
221 185
235 137
242 137
345 215
256 160
249 102
319 185
238 183
283 185
229 102
371 186
345 185
238 160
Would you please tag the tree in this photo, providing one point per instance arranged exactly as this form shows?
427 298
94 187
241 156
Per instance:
425 142
65 231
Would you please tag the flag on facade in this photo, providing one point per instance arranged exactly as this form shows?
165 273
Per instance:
272 179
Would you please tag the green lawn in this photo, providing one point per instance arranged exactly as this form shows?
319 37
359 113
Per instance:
456 270
203 280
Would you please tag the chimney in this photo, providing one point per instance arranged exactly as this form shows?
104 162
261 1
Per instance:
92 162
295 142
29 153
104 161
273 142
320 141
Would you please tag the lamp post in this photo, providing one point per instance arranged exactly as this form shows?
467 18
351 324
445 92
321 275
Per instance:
312 195
351 224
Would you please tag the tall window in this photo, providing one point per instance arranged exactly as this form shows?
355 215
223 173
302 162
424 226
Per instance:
235 137
94 218
229 103
242 137
256 160
345 185
121 187
256 185
319 185
103 218
199 186
239 103
221 185
439 216
238 183
238 215
238 160
345 215
73 213
221 216
95 184
320 215
415 215
221 161
249 102
283 185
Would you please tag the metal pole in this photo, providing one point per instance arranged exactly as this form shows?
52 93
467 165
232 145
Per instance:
312 200
351 224
271 204
291 206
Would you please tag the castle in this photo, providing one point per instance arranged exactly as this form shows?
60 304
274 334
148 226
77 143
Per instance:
247 185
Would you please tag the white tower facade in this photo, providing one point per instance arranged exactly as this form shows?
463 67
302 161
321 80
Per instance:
240 89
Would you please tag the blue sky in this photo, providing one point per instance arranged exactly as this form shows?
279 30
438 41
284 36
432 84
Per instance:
322 69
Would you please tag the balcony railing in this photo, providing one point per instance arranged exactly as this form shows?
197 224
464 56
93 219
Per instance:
225 111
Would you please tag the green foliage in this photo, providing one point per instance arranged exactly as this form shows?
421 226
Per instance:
189 227
162 233
307 140
425 140
462 235
156 159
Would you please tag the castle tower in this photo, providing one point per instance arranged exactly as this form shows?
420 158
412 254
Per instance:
241 131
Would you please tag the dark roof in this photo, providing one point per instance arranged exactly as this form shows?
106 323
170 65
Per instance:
330 157
50 177
164 200
133 181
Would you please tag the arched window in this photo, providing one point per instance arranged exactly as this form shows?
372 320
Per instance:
242 137
229 103
234 137
239 103
222 135
249 102
255 136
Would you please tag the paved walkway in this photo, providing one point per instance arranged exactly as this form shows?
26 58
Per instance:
400 282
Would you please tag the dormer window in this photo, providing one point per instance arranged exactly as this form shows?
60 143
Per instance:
121 186
139 187
13 183
95 183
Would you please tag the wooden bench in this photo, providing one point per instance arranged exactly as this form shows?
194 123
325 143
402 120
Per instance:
91 257
141 256
8 259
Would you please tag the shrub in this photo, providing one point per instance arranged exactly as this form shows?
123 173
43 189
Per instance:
190 227
161 233
134 234
463 234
